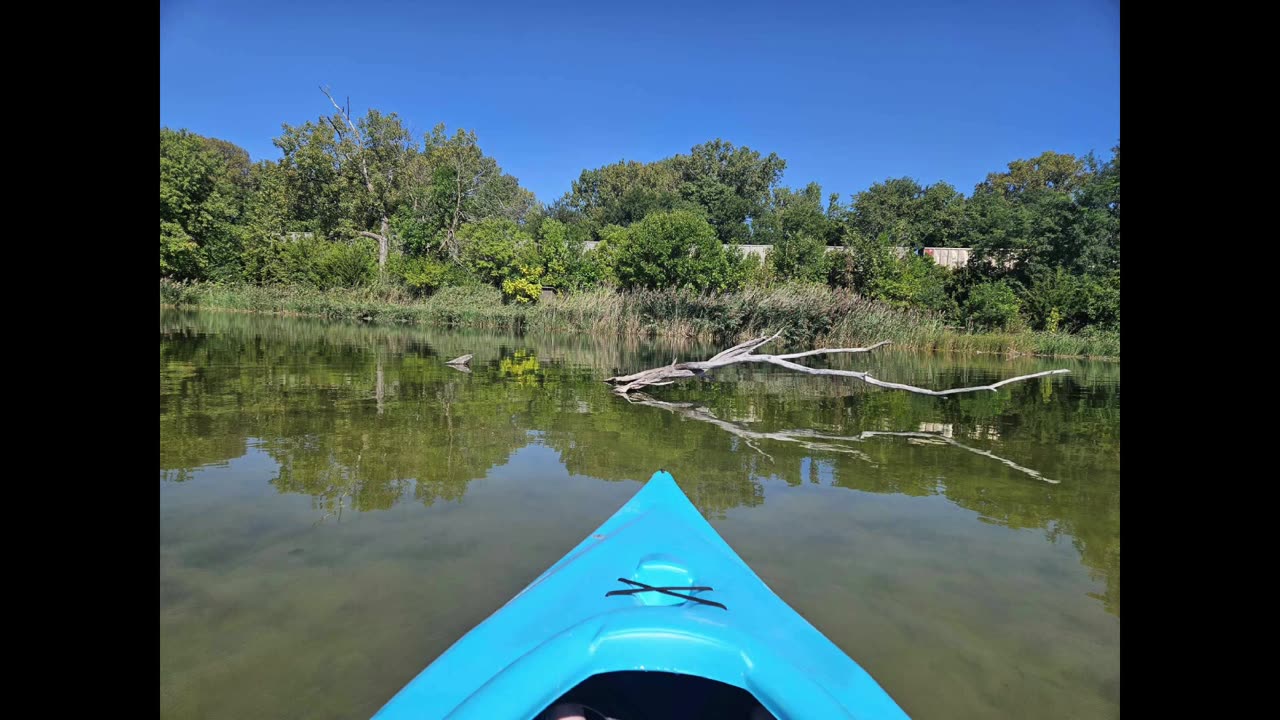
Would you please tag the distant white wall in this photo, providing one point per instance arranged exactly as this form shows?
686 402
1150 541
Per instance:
944 256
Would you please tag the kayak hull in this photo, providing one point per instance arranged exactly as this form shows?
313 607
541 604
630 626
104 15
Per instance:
565 628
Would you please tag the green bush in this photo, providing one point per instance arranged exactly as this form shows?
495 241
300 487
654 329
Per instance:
756 273
298 261
864 264
493 247
915 281
993 305
798 257
422 275
566 265
522 290
840 268
348 264
674 249
604 258
1059 300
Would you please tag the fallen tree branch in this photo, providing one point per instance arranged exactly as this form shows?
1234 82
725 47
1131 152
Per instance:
745 353
814 440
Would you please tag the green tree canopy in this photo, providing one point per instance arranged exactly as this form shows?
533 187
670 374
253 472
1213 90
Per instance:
348 176
731 183
202 191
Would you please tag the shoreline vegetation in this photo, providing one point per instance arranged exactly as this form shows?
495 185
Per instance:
811 313
359 219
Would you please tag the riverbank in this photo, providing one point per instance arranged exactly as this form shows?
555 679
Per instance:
811 315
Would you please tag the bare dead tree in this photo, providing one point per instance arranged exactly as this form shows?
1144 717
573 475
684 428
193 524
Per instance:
362 149
745 353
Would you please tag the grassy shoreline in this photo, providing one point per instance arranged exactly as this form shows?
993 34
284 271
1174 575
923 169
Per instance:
811 315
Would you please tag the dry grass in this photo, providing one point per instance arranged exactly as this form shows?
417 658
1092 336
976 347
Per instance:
810 314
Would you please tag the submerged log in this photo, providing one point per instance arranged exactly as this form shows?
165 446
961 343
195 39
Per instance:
461 364
745 353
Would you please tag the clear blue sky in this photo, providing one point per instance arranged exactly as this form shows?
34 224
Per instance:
848 93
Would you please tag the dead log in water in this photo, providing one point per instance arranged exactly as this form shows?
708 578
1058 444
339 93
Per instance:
746 353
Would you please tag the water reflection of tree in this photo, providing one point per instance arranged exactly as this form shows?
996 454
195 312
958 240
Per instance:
355 416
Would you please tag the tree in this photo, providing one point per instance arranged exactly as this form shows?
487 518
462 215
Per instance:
1100 196
459 184
889 208
199 204
940 219
266 218
382 149
731 183
1058 172
494 248
619 194
909 214
673 249
349 175
799 231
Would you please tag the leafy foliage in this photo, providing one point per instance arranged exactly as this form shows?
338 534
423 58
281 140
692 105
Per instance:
492 247
674 249
358 202
201 197
993 305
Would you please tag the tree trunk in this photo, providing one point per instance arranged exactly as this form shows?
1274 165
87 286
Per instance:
457 215
382 245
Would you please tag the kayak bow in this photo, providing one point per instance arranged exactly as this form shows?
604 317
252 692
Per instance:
654 590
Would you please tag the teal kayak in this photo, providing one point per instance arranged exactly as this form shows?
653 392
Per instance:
652 606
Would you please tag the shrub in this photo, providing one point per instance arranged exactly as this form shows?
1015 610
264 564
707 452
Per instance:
677 248
521 290
349 265
993 305
915 281
492 248
560 252
421 275
798 257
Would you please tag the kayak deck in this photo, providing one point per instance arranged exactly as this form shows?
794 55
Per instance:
621 602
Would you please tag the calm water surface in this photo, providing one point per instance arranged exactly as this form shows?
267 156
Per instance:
337 507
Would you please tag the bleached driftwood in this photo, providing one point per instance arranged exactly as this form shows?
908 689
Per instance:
745 353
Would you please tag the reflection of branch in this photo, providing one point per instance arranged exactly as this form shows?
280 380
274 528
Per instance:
807 438
949 441
746 353
698 412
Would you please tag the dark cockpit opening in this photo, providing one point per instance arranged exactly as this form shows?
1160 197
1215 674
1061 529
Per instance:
644 695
